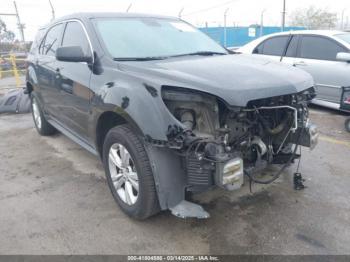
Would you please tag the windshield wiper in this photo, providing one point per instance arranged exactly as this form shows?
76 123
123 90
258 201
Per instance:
203 53
148 58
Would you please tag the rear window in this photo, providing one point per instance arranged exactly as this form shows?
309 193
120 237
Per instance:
273 46
344 37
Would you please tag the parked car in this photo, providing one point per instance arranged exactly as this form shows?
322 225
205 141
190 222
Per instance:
347 124
167 109
322 53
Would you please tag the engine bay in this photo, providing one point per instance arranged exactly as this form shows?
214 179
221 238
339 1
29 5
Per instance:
218 139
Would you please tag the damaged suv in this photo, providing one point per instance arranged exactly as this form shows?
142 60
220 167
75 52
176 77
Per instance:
167 109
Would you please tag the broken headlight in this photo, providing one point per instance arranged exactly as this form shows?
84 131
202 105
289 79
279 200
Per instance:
197 111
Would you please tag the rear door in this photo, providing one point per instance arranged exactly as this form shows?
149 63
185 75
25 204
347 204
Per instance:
45 66
74 82
317 55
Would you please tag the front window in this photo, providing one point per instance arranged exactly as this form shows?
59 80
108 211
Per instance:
74 35
51 42
126 38
321 48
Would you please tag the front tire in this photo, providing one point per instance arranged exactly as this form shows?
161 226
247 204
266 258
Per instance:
43 127
129 173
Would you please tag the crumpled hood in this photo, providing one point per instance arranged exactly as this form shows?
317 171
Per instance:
237 79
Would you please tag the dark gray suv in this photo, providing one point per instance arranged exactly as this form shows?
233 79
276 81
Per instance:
168 110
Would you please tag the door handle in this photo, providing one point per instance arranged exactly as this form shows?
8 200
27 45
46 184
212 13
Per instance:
67 88
300 63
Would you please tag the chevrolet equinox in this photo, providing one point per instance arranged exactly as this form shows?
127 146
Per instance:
168 110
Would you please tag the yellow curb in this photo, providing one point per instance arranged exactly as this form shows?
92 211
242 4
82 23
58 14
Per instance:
334 141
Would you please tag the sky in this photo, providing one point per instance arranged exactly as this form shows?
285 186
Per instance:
35 13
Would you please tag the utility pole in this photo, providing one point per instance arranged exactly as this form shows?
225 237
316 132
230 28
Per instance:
127 10
262 22
180 12
52 10
225 29
283 16
20 25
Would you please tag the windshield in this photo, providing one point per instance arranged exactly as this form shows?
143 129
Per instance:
153 38
344 37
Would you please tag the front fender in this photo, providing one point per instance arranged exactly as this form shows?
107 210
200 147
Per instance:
139 103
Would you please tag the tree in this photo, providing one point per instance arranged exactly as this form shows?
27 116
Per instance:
6 35
313 18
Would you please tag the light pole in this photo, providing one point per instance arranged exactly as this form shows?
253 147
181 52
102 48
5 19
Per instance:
262 21
283 16
52 10
342 18
225 29
20 25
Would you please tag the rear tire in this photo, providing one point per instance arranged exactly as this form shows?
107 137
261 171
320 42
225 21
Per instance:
129 173
43 127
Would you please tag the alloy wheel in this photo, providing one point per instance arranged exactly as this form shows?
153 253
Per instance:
36 113
123 174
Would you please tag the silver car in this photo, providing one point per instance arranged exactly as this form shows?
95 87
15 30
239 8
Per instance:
325 54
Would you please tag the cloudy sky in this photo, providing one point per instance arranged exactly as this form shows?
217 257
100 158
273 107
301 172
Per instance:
35 13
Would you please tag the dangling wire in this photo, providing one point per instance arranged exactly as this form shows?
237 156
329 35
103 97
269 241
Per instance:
250 185
299 160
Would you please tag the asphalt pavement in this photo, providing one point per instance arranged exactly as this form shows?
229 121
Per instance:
54 200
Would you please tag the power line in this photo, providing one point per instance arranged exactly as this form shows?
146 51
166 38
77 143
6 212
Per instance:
210 8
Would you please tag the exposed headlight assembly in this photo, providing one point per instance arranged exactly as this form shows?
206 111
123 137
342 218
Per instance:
230 174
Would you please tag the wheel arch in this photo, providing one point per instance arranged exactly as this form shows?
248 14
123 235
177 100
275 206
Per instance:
108 120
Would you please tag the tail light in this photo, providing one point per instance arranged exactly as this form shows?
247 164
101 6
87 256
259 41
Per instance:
345 99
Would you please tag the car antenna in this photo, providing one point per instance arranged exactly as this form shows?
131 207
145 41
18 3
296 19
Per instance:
286 47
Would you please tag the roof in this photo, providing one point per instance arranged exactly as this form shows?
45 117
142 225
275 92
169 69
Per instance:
89 15
315 32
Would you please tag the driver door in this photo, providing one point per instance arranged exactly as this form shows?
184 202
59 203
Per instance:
74 82
317 56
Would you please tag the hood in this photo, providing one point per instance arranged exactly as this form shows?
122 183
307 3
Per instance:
237 79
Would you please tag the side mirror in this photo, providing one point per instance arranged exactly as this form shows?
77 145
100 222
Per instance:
345 57
72 54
